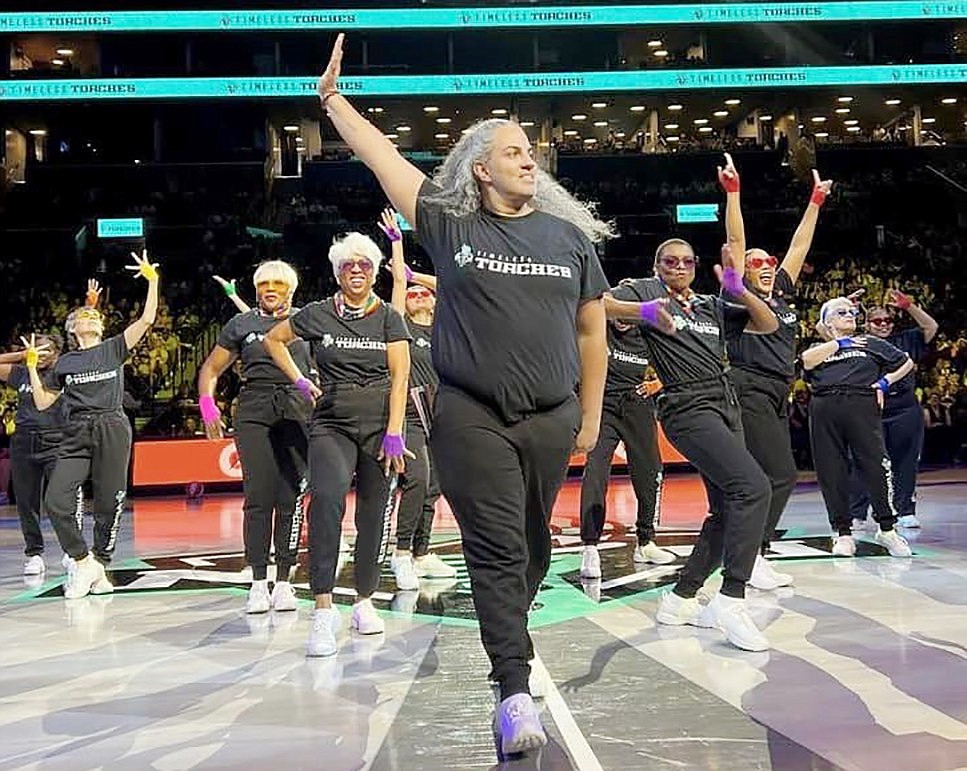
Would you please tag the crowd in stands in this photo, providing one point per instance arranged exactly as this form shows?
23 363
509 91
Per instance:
891 223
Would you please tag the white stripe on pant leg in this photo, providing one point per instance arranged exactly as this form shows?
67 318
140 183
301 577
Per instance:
297 514
119 497
659 485
387 518
79 508
888 471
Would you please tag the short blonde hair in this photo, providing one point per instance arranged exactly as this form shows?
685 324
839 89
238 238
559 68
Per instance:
276 270
353 245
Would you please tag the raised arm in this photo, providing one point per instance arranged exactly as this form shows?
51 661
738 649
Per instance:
400 179
42 397
219 360
139 328
7 362
231 292
276 342
927 323
734 225
802 239
761 318
387 223
593 353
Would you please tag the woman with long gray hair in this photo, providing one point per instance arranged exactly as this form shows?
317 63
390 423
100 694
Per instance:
519 321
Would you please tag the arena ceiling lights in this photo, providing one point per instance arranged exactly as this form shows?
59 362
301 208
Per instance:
478 18
456 85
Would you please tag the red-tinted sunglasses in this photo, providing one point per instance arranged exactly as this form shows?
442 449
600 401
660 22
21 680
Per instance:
882 321
670 262
365 265
417 294
757 263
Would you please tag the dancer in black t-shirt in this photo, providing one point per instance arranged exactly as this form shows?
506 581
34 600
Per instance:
699 412
763 366
33 446
97 436
419 490
518 323
903 423
361 349
628 416
270 432
848 377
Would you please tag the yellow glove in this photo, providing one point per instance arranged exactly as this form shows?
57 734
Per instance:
32 358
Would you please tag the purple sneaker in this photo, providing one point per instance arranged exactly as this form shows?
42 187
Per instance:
519 725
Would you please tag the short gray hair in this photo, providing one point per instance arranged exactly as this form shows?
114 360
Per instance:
354 244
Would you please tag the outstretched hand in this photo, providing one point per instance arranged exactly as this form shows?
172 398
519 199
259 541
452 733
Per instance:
329 81
143 266
32 351
387 223
228 287
821 189
92 297
729 176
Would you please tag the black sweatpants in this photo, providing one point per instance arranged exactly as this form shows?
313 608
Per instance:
501 481
33 455
418 494
765 422
903 437
96 445
704 423
345 437
272 442
627 418
844 423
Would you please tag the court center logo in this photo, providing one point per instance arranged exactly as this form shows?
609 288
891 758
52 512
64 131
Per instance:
229 463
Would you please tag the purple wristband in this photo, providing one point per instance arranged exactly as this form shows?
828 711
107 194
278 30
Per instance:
305 387
393 446
732 282
409 273
649 311
845 342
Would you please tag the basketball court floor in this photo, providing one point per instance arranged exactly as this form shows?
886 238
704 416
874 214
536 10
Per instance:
868 668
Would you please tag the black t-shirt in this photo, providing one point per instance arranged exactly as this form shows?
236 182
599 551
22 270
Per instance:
93 378
774 354
28 416
510 288
902 394
243 336
856 367
627 360
697 351
349 350
421 355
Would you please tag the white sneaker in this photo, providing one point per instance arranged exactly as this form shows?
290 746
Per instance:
653 553
895 543
35 566
590 562
283 596
733 619
365 619
537 682
431 566
83 576
326 623
678 611
908 520
258 600
103 585
764 577
404 572
66 562
858 524
844 546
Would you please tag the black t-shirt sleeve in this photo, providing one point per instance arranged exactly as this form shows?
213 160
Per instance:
593 281
18 376
395 329
116 351
913 342
228 337
890 356
784 282
431 220
625 293
308 323
638 290
734 317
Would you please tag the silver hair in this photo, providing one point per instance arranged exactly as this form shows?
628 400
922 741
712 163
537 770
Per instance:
459 190
276 270
822 328
351 245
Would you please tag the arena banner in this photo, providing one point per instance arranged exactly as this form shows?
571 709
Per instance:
180 461
478 18
523 83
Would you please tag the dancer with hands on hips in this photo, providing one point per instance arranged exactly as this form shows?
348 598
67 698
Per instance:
97 435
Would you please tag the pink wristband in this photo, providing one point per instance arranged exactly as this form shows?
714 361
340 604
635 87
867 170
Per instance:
209 410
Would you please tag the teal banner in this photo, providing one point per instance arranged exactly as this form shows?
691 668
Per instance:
478 18
442 85
128 227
